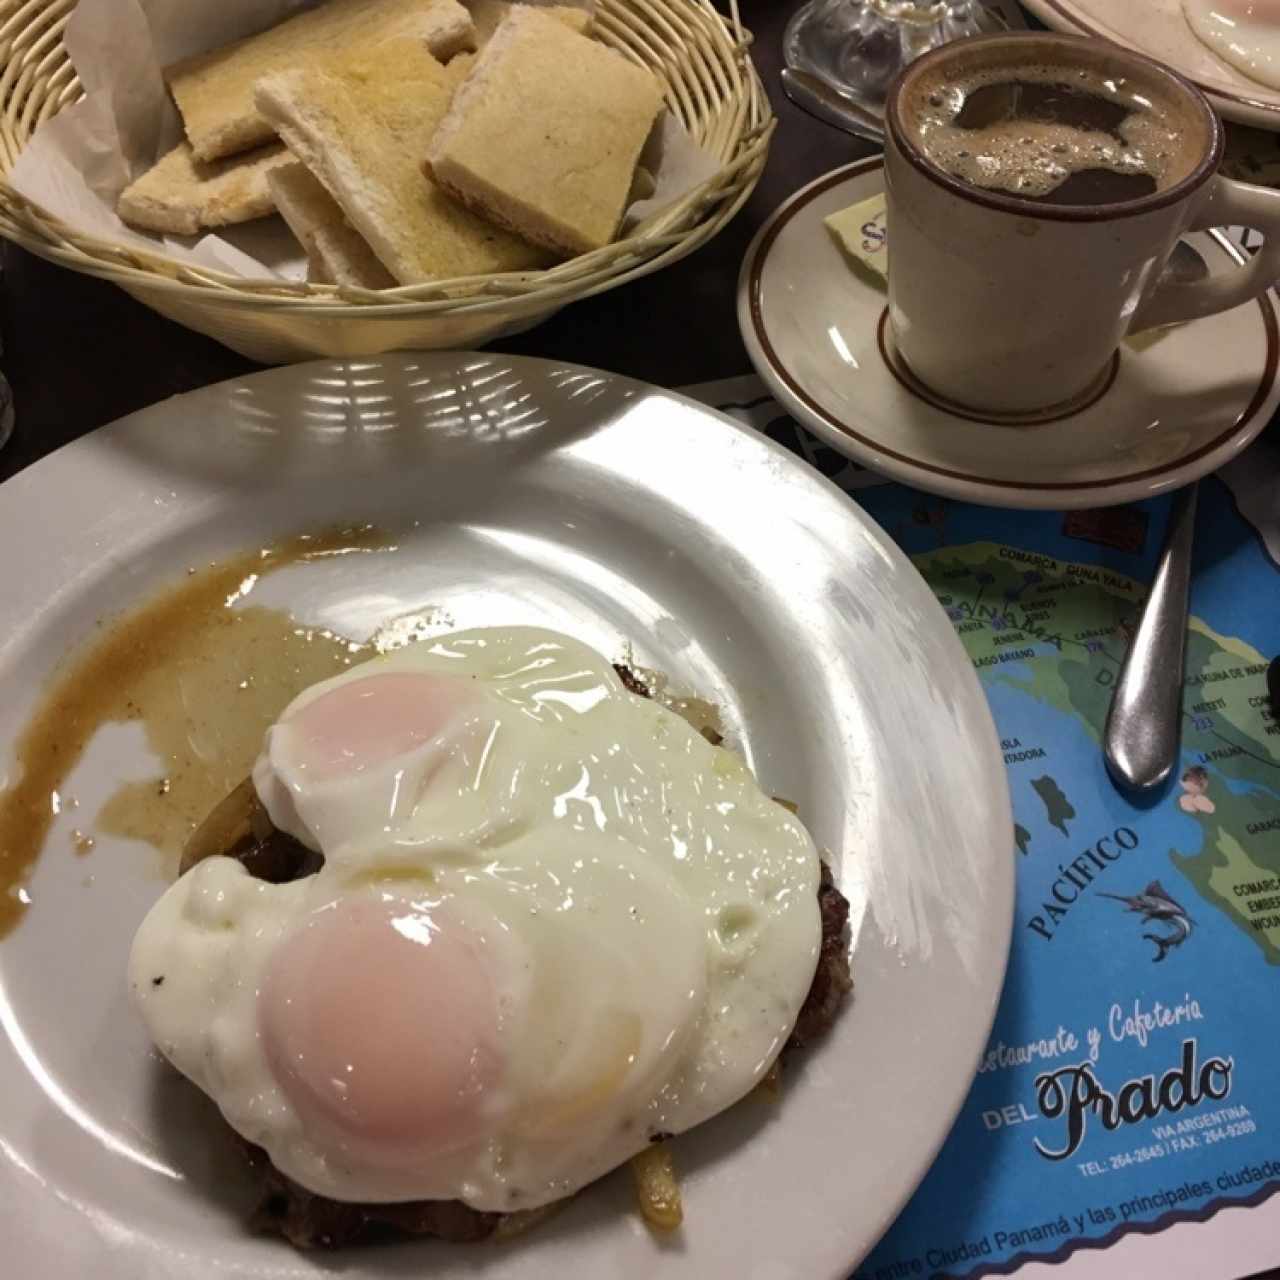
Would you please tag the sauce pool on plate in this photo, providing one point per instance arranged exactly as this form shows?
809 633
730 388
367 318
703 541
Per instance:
203 673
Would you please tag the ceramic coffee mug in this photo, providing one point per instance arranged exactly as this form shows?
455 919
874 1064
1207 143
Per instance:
1014 310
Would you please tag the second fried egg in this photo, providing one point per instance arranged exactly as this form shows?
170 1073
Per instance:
552 921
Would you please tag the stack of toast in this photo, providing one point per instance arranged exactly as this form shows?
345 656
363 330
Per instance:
405 141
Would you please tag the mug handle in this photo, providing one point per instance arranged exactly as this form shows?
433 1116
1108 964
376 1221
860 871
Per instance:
1228 203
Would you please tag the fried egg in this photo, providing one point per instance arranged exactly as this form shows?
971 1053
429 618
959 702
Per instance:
552 921
1245 33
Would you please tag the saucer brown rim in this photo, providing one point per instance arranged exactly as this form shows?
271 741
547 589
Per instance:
897 365
808 194
1086 27
1204 169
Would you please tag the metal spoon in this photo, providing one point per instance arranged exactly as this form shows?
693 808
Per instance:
831 107
1144 725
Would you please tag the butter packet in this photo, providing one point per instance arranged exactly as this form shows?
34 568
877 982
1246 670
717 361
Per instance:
862 234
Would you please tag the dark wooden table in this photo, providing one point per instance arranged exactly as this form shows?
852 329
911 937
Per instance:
79 352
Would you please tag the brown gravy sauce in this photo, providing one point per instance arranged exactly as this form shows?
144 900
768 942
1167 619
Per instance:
203 678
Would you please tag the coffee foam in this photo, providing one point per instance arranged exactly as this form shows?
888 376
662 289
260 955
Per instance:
1032 158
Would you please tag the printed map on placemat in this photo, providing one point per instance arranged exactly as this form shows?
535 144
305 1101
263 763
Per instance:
1130 1074
1055 631
1130 1078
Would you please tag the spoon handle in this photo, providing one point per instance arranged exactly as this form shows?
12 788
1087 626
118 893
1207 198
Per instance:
1144 726
816 97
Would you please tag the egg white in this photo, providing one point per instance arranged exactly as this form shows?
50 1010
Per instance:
652 914
1244 33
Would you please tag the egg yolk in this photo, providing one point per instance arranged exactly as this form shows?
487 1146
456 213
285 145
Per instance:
366 722
380 1022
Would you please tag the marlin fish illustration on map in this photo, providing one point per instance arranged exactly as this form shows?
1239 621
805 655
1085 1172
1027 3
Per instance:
1155 906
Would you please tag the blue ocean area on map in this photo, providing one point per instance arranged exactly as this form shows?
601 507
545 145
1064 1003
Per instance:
1129 1077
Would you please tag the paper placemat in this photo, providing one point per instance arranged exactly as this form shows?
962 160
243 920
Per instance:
1129 1084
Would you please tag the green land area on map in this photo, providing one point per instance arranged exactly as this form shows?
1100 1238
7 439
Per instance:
1067 626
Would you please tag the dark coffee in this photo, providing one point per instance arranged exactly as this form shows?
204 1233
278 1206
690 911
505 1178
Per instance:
1012 102
1031 133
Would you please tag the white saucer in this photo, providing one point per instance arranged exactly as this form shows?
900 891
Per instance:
1177 409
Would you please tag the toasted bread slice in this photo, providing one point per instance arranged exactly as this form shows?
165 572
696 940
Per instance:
544 134
488 16
214 91
336 251
181 195
361 129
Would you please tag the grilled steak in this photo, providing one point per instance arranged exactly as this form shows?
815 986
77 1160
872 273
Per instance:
316 1222
310 1221
831 980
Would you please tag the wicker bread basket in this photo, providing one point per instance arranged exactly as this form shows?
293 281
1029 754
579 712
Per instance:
711 86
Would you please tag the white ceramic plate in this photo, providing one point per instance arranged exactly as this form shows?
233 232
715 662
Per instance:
1176 409
1159 29
592 504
